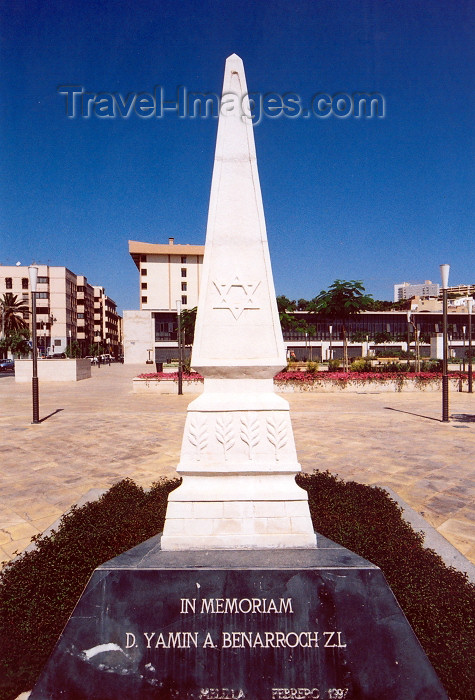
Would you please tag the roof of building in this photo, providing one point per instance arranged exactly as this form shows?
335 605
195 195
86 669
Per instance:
136 249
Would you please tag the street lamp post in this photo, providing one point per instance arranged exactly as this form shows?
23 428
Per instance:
33 275
52 320
464 330
470 305
180 350
412 322
418 347
444 271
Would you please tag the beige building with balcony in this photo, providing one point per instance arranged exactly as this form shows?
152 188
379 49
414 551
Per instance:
85 314
56 303
107 329
65 309
168 273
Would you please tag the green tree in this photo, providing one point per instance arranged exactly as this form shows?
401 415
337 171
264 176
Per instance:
188 320
302 305
378 305
288 321
12 310
73 349
284 304
96 349
16 341
341 301
360 337
383 337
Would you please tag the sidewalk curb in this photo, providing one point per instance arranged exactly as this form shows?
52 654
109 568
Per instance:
433 539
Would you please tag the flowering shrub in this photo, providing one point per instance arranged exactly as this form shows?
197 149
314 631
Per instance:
311 377
187 376
362 376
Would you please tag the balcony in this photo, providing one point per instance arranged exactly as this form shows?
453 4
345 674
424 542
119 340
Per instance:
163 336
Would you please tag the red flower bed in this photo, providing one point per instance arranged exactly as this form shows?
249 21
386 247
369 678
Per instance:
361 376
187 376
310 377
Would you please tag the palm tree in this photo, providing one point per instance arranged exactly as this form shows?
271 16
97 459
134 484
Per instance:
342 300
12 310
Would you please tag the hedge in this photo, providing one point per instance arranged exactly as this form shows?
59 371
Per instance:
39 589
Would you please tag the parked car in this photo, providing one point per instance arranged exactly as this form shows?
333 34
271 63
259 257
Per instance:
92 359
106 359
6 365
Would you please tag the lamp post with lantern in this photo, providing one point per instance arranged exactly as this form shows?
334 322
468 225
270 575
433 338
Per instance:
180 350
470 307
444 271
33 275
464 330
411 320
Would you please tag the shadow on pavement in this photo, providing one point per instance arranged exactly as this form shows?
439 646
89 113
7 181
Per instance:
390 408
58 410
463 417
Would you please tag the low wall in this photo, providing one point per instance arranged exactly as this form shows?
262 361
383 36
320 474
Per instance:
53 370
376 386
166 386
170 386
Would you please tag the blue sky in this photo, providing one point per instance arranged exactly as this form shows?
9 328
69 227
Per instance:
378 200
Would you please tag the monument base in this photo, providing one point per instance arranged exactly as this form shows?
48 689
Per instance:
238 511
233 625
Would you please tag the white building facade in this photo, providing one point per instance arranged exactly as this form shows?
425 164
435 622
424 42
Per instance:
407 291
169 277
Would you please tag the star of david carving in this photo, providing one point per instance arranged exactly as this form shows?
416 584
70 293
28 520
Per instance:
236 296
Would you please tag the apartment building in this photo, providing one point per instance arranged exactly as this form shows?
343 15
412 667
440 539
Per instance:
407 291
85 314
462 290
56 303
169 276
65 309
107 329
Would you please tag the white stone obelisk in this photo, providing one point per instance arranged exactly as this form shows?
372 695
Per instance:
238 459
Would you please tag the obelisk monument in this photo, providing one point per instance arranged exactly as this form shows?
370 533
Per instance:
174 617
238 459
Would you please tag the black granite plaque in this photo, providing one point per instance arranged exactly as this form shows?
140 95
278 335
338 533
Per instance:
289 625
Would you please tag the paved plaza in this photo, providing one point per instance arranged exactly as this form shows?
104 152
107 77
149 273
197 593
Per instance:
96 432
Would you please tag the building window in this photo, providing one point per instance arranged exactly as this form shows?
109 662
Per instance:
184 299
8 283
144 300
183 259
183 286
183 271
144 285
143 271
43 280
80 315
42 295
24 282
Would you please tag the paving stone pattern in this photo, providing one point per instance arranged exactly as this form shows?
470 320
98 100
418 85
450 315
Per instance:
96 432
